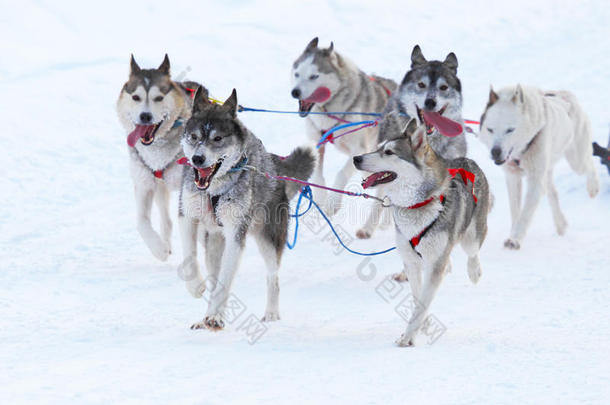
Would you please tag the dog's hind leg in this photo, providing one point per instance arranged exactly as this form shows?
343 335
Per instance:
162 200
189 268
271 253
580 157
471 245
558 217
514 187
158 247
333 202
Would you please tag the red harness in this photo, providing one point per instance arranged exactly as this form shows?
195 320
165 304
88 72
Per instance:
466 176
389 93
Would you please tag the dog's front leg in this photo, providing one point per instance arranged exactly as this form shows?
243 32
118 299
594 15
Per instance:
514 187
234 246
334 200
158 247
372 221
162 200
535 190
189 269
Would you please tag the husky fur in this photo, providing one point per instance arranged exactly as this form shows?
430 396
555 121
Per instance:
350 89
223 199
527 131
411 173
152 100
432 86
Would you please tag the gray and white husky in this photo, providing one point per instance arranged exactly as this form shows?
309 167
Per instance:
432 87
527 131
436 203
222 201
326 81
152 108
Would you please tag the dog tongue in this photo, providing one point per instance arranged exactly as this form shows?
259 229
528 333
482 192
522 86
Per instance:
369 181
139 132
444 125
205 172
320 95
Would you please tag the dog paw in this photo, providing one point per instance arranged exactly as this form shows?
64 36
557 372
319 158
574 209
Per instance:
196 287
362 234
271 317
161 250
561 226
199 325
474 270
214 323
405 341
512 244
400 277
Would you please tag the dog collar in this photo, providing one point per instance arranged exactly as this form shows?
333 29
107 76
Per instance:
240 165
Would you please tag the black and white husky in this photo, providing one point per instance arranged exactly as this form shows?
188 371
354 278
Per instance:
223 199
152 108
326 81
436 204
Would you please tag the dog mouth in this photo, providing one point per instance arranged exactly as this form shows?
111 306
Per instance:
378 178
435 120
425 118
203 176
145 133
319 95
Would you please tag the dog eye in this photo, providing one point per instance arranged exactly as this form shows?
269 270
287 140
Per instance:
217 138
491 131
135 97
313 77
443 87
158 98
421 85
509 130
193 137
388 152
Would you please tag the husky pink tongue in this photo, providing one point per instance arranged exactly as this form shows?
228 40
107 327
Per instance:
444 125
320 95
369 181
140 132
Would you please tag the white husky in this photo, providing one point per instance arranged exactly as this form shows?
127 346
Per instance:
528 131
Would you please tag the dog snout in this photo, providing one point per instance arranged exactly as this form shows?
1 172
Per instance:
496 154
198 160
357 161
430 103
146 118
296 93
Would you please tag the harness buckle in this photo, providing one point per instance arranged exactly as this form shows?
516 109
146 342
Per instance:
386 203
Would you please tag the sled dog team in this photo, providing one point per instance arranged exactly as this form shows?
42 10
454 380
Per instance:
415 159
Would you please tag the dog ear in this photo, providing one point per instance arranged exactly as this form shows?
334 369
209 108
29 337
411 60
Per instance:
518 95
417 58
231 104
200 100
493 97
451 62
164 66
331 47
312 45
133 66
416 137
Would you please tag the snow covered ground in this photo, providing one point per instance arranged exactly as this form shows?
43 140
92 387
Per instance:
87 315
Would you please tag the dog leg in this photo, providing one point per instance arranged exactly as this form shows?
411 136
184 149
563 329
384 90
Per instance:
558 217
162 200
334 200
271 254
514 186
214 244
535 190
189 269
432 280
318 177
372 221
158 247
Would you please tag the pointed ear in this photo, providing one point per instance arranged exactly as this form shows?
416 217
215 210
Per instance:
518 95
200 100
417 58
410 128
230 104
493 96
164 66
312 45
451 62
331 47
133 66
416 137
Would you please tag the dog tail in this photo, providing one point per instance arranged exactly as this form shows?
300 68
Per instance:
299 164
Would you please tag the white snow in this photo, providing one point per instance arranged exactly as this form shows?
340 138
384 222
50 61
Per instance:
87 315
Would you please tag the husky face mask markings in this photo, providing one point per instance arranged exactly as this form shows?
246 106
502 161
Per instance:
313 77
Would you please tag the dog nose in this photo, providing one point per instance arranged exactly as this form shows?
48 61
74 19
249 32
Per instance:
430 103
296 93
496 151
357 160
198 160
146 117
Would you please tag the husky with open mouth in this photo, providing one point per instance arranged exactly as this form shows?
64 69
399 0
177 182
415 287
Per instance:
326 81
436 203
224 197
152 108
429 90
